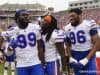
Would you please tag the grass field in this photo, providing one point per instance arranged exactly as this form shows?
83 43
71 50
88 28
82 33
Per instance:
9 71
2 70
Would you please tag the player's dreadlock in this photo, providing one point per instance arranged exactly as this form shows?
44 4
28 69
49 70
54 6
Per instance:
49 29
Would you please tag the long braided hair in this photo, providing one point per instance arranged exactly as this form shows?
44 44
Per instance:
48 29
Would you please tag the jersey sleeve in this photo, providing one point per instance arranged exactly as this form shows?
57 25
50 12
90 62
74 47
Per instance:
5 35
93 27
59 36
8 33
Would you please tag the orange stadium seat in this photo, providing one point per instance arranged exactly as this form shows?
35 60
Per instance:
98 61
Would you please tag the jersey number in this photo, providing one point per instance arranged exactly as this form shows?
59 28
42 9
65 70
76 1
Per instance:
22 41
78 37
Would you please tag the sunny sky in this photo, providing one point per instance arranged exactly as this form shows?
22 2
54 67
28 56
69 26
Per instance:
57 4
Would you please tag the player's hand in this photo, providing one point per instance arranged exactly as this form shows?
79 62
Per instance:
72 60
80 66
83 62
75 65
13 43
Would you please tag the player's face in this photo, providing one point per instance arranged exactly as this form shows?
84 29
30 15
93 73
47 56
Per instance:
23 20
74 19
24 17
44 26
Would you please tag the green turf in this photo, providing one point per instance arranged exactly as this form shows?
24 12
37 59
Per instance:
9 72
2 70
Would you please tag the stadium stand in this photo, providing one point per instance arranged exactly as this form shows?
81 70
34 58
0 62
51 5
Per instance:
62 16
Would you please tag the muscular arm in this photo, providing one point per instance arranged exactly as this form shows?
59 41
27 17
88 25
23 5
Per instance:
1 42
1 50
41 51
61 50
94 37
96 46
68 47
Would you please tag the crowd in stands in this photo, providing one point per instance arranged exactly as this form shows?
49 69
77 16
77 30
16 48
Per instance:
62 17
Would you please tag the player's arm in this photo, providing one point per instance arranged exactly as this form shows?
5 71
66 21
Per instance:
95 41
61 50
41 51
1 50
96 46
11 46
40 44
1 42
95 38
68 52
59 38
68 47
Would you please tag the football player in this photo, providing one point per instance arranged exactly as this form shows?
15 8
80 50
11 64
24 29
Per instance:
83 42
9 58
27 44
54 45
